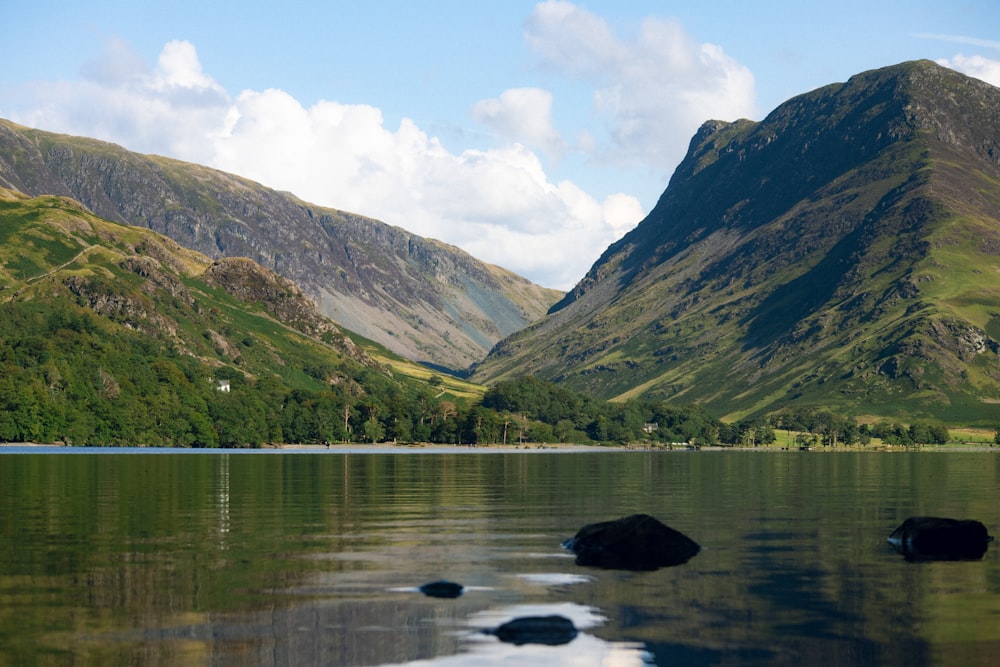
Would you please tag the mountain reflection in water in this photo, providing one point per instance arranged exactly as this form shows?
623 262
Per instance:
308 559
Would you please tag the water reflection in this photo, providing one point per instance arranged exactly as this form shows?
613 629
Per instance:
317 559
222 500
481 647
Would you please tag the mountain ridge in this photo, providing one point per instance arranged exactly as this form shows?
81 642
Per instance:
421 298
805 259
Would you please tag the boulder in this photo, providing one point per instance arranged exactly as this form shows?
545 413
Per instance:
638 542
552 630
442 589
934 538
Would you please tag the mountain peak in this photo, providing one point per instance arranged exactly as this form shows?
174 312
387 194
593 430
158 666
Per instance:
827 253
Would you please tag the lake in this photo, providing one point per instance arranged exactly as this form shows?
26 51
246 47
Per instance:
264 558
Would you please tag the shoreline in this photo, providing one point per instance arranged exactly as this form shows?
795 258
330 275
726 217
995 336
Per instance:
346 448
430 448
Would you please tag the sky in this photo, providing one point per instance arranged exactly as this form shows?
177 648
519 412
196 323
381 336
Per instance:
530 134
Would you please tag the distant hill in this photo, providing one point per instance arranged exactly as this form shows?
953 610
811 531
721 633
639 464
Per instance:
423 299
112 334
843 253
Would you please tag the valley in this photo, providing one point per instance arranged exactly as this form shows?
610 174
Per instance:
838 256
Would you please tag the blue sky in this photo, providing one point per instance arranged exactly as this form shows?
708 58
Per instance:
531 134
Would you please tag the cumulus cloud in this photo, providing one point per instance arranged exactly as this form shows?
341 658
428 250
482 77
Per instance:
522 115
169 109
653 89
986 69
497 203
500 202
982 68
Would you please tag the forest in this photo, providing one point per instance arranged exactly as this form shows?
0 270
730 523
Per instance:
67 378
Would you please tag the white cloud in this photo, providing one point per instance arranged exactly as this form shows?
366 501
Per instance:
168 110
982 68
573 40
651 90
180 70
654 88
498 204
118 62
622 211
522 115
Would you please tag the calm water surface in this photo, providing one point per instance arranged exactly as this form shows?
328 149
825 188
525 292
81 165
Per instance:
314 559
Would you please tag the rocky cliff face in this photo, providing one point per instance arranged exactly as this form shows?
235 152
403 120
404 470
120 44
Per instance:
840 253
425 300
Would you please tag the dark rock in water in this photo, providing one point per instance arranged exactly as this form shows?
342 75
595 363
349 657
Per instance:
442 589
933 538
638 542
549 630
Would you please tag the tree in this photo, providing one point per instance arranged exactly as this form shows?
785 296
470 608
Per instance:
756 431
373 430
540 432
482 426
928 433
400 428
239 418
892 433
22 413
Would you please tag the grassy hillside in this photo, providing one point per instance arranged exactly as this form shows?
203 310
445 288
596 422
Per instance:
841 254
115 335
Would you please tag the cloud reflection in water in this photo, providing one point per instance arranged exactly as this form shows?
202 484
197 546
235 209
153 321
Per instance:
482 649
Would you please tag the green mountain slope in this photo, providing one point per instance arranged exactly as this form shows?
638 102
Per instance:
111 334
842 253
423 299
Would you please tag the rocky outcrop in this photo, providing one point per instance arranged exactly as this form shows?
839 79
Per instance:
251 283
133 310
922 538
442 589
552 630
638 542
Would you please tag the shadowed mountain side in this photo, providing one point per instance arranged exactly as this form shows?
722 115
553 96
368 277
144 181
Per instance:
421 298
841 253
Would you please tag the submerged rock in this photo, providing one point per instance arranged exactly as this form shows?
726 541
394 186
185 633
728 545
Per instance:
934 538
552 630
442 589
638 542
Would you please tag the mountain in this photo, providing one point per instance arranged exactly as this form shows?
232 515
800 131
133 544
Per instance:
113 334
842 253
421 298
